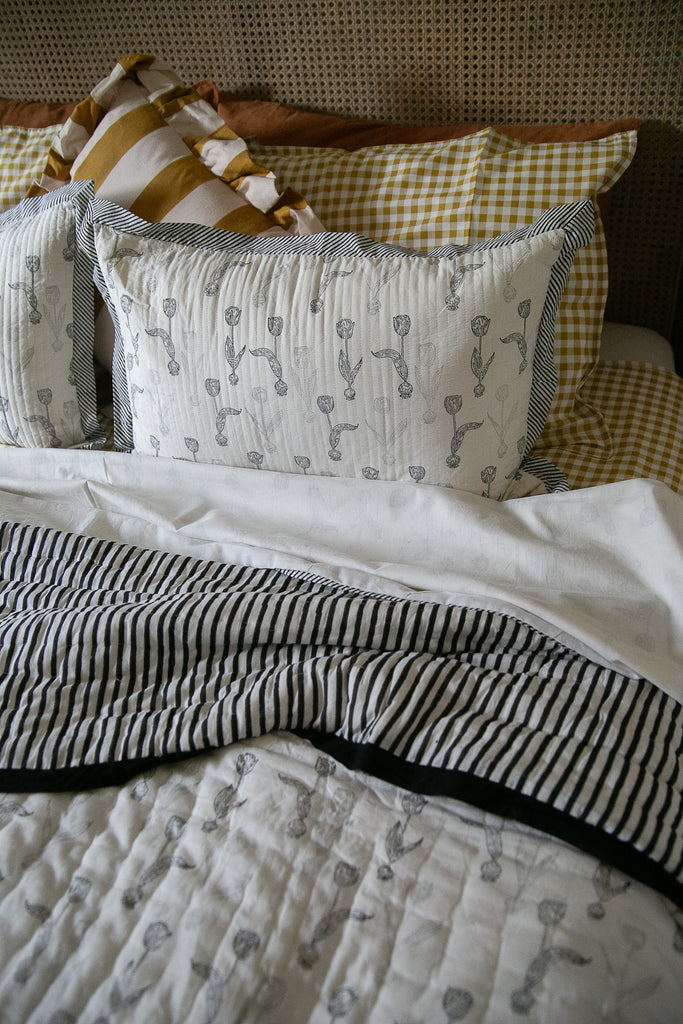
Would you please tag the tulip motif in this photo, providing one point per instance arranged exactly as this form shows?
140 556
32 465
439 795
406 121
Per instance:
275 325
427 378
488 475
161 865
325 281
226 799
29 289
453 405
345 877
213 387
192 445
376 282
479 327
524 310
54 314
265 427
77 893
214 282
45 398
452 300
232 318
126 309
394 846
550 913
402 325
345 331
4 409
123 996
501 427
170 308
324 768
326 406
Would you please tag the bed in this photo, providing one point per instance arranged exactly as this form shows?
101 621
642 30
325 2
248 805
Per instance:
341 633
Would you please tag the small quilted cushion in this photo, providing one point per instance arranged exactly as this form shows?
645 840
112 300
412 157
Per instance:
47 385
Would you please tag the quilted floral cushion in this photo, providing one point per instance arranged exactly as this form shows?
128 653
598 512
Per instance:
332 354
47 385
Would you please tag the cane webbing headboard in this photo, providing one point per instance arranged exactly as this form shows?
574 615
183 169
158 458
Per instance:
425 61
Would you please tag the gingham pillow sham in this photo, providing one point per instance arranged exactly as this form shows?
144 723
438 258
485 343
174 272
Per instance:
333 354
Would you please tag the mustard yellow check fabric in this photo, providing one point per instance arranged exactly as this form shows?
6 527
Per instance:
609 422
23 152
643 410
415 195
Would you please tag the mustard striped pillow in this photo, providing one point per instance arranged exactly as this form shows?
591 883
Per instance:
154 147
428 194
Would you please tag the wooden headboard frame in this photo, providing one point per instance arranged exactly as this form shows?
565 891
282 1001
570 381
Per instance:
421 61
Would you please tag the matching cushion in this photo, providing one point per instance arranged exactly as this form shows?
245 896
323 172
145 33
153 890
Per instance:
503 184
47 385
333 354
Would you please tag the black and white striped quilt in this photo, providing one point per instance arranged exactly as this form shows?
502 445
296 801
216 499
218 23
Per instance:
114 657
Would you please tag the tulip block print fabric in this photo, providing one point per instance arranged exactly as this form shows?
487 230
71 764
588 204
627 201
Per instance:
333 355
47 386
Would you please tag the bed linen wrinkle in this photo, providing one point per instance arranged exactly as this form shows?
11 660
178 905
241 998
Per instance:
440 704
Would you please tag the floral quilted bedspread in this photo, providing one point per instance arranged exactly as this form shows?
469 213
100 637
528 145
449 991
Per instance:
269 883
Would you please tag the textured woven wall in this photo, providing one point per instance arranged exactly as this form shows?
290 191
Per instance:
427 61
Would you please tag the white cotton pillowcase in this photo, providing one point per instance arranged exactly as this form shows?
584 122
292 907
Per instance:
334 355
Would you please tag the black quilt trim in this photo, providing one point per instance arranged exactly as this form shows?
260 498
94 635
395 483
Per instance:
86 776
373 760
497 799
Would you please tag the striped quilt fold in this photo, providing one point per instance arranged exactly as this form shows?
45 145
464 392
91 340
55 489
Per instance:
112 655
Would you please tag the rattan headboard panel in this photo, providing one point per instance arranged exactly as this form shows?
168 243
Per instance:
427 61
